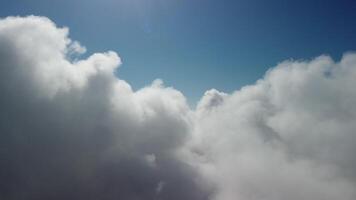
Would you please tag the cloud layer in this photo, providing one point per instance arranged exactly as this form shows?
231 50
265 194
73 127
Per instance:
71 129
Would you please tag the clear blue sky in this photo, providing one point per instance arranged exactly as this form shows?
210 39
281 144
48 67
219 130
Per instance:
195 45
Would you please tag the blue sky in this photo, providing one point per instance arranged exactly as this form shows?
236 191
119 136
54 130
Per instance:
195 45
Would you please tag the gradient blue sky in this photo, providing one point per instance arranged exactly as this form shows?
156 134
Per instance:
195 45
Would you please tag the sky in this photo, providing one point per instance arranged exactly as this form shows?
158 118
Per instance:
196 45
97 100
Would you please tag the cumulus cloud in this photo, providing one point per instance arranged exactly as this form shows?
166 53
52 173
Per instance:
71 129
289 136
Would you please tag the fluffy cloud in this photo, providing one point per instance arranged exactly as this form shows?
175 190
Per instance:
289 136
71 129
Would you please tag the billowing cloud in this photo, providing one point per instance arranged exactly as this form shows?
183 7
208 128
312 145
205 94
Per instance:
71 129
289 136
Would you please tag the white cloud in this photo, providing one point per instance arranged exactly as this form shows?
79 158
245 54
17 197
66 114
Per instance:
151 160
76 48
71 129
160 187
289 136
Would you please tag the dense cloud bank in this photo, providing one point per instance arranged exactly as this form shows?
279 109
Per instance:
71 129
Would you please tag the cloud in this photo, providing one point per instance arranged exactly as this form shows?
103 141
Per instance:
71 129
289 136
